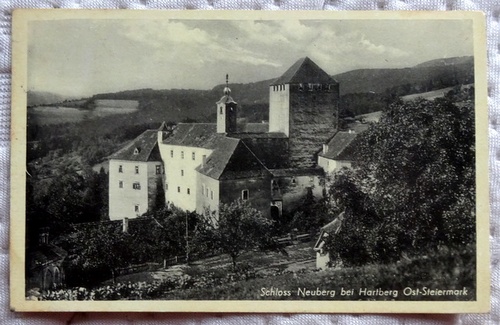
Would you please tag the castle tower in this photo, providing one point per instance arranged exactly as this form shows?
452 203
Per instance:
303 104
226 112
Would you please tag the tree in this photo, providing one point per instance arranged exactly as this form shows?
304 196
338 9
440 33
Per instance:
235 229
413 187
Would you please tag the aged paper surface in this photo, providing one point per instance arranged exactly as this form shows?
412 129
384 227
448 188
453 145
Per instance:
306 94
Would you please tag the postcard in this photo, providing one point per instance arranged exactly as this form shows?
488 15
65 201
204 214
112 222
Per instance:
249 161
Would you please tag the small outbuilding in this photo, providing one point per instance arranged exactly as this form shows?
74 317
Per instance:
323 258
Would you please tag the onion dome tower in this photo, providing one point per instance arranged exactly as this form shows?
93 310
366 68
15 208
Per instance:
226 111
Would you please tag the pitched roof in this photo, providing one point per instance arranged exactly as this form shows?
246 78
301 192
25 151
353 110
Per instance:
201 135
341 146
288 172
305 71
231 159
142 148
45 254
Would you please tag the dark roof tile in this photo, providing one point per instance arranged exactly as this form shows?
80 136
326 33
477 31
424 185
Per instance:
305 71
142 148
341 146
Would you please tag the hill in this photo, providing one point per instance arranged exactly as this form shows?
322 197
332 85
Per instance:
427 76
362 91
36 98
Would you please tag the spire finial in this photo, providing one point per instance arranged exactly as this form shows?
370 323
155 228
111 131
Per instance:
227 91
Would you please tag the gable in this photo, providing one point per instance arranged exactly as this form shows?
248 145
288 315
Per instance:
142 148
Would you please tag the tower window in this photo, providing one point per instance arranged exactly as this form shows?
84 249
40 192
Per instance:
171 154
182 154
188 191
244 195
221 111
206 191
120 169
193 156
182 172
120 184
211 194
166 186
136 186
158 169
136 208
137 169
178 189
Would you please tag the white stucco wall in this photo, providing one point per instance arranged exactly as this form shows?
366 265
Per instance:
279 112
180 174
330 165
122 201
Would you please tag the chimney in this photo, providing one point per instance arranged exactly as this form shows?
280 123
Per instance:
125 225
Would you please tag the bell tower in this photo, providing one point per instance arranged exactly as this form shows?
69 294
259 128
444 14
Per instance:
226 112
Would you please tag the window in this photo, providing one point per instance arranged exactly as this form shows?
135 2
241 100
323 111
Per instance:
166 186
136 186
158 169
136 151
206 192
137 169
182 172
301 87
202 189
178 189
136 208
120 169
211 194
120 184
193 156
182 154
171 154
221 110
188 191
311 87
244 195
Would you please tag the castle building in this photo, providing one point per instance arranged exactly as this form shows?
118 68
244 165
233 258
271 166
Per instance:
201 165
135 176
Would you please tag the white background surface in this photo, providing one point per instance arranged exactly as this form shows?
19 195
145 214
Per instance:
492 12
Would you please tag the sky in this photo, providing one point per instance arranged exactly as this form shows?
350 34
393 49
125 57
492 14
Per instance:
78 58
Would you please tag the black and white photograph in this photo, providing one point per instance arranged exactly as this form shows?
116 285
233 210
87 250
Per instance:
249 161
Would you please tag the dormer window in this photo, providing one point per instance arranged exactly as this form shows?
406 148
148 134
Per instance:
137 150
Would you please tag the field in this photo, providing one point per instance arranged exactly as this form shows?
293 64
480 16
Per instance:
46 115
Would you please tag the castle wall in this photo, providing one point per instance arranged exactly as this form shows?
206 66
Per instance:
130 191
181 186
294 190
279 117
207 196
259 192
330 165
313 121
